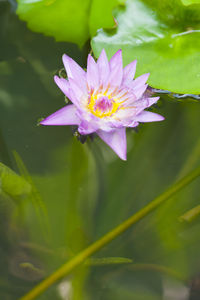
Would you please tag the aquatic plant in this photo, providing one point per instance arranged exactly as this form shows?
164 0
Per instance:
106 99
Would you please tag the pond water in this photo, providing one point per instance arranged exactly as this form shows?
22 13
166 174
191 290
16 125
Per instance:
81 191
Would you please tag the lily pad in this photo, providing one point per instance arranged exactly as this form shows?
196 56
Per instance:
71 21
65 20
164 38
103 8
189 2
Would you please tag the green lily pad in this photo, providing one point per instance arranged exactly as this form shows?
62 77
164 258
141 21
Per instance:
164 38
71 21
103 8
65 20
189 2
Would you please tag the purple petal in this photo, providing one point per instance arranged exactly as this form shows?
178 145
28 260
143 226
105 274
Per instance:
64 116
129 72
92 73
147 116
139 91
133 124
75 71
86 128
62 84
143 103
116 140
115 59
139 81
152 100
116 69
103 67
77 96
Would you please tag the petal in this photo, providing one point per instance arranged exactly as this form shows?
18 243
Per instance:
139 91
64 116
147 116
116 140
75 71
143 103
92 73
129 72
103 67
116 59
152 100
62 84
86 128
139 81
116 69
72 68
77 96
133 124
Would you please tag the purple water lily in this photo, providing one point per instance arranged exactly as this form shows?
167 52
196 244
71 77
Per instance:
106 99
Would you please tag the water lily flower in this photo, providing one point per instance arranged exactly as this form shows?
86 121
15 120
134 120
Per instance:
105 99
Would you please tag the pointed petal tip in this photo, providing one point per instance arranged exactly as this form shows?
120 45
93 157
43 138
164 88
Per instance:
148 116
45 121
152 100
64 56
41 122
103 67
103 50
90 60
64 116
158 117
123 157
116 59
129 72
118 51
162 118
56 78
103 54
116 69
147 75
134 63
116 140
63 84
144 77
117 54
89 56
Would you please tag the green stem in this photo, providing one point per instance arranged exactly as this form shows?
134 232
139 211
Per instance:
107 238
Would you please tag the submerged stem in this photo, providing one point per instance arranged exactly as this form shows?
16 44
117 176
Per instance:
107 238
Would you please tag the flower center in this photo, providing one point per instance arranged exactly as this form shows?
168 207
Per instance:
102 105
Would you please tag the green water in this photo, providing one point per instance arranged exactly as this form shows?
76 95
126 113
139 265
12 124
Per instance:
81 191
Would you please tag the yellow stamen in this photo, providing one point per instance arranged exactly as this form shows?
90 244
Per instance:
98 112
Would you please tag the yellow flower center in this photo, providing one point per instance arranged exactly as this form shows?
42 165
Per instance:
102 105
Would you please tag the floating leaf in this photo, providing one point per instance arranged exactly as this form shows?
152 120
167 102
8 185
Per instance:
189 2
102 8
65 20
71 21
164 37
